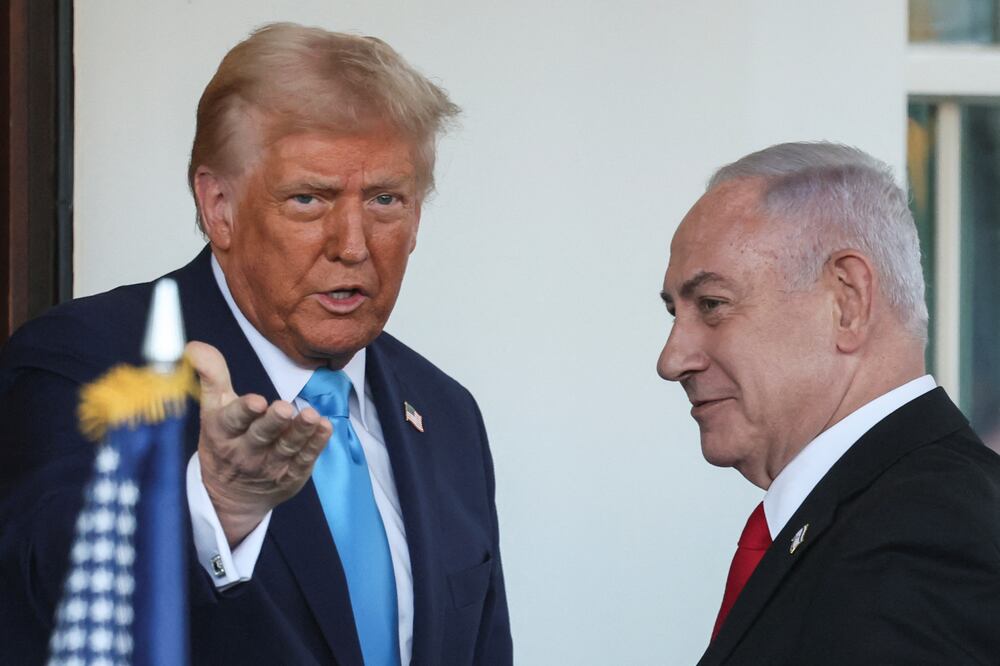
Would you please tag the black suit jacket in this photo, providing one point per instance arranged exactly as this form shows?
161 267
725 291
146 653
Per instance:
900 563
296 609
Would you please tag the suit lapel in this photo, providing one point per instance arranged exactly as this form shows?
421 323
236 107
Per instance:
301 533
777 563
298 526
925 419
413 472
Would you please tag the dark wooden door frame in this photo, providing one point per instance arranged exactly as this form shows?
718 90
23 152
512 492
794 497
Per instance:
36 237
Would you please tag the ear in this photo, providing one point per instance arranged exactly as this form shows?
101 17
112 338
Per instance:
216 205
852 279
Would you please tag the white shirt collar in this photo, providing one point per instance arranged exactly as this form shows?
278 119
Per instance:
287 376
794 483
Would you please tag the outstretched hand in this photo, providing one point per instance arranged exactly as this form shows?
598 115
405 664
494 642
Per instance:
253 456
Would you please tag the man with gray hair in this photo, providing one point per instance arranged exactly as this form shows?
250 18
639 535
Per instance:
798 335
340 486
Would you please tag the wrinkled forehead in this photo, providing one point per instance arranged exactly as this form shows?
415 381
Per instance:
725 233
280 148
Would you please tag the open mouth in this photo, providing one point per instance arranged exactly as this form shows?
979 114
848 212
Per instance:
343 294
342 301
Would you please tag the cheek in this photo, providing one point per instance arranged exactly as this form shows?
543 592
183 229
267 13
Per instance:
390 252
278 275
756 365
286 251
793 376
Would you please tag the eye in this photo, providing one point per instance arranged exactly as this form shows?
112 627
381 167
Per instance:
385 199
304 199
707 305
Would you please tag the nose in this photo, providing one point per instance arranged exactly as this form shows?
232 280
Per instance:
682 355
345 230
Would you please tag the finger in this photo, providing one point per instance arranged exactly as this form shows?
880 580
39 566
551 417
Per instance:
266 430
236 417
213 373
304 460
298 433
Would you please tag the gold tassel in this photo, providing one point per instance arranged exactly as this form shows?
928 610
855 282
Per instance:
127 395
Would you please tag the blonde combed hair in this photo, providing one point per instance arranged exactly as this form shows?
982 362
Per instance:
286 77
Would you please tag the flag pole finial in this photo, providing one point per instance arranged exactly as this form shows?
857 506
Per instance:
164 343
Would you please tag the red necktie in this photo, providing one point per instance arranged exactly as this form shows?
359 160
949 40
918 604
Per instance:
754 542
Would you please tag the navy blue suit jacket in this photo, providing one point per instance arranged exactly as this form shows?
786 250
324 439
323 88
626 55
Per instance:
296 609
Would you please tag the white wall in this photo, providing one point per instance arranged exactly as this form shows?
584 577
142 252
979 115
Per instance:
589 129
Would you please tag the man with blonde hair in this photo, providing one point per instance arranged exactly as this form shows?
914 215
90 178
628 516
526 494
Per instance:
341 488
798 335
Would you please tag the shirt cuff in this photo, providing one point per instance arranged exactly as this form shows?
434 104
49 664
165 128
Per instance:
226 567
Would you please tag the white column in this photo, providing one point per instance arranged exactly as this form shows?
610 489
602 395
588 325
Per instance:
948 247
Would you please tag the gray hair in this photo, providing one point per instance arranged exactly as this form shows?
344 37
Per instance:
840 198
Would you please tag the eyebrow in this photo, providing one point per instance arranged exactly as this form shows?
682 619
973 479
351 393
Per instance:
389 183
307 185
699 279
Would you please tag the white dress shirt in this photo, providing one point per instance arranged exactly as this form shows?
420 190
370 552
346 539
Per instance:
229 567
794 483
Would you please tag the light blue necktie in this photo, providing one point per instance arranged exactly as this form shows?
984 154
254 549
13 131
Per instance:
345 491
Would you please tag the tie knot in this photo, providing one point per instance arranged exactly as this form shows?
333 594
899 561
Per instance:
327 391
756 534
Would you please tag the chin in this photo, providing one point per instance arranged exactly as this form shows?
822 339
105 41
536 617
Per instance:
338 344
717 452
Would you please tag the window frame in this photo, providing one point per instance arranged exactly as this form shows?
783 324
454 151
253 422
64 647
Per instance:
950 75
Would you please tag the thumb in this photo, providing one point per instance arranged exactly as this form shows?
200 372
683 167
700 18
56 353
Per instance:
208 362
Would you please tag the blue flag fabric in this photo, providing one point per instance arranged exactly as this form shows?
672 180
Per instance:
124 598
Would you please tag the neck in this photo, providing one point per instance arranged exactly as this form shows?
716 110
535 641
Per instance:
877 375
871 375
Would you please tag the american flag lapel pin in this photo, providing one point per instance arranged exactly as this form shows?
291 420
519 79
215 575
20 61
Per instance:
413 417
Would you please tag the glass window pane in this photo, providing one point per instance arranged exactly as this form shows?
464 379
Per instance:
921 168
969 21
980 324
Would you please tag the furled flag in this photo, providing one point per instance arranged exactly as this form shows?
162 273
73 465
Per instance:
123 600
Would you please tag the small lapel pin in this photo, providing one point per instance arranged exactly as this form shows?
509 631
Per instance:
413 416
799 537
